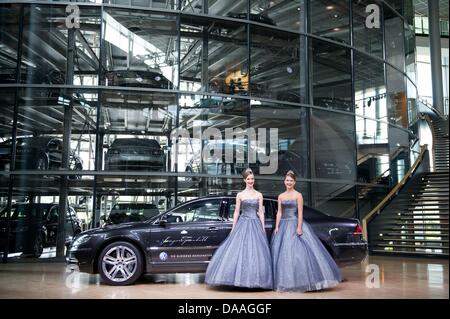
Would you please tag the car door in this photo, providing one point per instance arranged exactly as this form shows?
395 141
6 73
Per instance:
190 235
269 215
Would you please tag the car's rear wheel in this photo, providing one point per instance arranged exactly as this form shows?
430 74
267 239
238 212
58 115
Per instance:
120 264
37 248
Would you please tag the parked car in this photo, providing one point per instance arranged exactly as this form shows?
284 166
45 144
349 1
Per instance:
254 17
35 226
41 153
184 238
138 78
132 212
135 154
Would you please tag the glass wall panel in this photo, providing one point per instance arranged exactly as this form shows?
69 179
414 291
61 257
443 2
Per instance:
7 100
232 8
41 117
396 97
331 19
291 142
135 130
283 14
277 68
335 199
399 152
394 39
213 135
334 145
44 45
373 151
331 76
410 52
366 39
141 49
214 56
370 88
9 31
413 112
158 4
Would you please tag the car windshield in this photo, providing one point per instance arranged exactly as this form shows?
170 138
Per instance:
120 142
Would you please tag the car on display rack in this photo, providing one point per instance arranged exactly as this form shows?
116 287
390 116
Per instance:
41 153
183 239
135 154
34 226
138 78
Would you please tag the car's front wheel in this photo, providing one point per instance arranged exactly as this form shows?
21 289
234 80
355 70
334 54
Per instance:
120 263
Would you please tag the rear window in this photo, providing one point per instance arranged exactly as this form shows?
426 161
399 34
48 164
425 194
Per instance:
120 142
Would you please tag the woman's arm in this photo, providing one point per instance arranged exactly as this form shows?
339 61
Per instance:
278 218
237 209
261 212
300 214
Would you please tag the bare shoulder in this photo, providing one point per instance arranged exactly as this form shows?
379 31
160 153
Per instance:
299 196
239 195
259 194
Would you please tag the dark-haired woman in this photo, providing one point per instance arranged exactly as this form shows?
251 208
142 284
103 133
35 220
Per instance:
300 261
243 259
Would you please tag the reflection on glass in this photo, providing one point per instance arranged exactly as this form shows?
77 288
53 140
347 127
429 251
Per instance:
275 71
330 19
9 20
141 49
394 39
399 142
332 83
334 145
136 127
370 89
366 39
396 97
292 148
335 199
7 97
283 14
210 129
158 4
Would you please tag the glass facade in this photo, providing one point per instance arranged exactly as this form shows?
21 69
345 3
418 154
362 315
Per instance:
107 103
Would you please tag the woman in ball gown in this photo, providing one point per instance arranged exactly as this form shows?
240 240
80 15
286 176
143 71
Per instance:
300 261
243 259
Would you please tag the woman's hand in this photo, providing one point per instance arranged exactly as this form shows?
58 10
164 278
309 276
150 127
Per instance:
275 230
299 231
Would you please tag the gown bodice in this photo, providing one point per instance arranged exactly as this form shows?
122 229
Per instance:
290 208
249 208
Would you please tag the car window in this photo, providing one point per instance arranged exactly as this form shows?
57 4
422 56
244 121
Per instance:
202 211
268 210
53 215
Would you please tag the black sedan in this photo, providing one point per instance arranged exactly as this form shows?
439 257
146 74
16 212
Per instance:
135 154
184 238
41 153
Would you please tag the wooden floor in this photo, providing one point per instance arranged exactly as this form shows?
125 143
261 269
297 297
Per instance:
399 278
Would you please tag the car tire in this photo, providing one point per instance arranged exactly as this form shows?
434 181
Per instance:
38 247
120 264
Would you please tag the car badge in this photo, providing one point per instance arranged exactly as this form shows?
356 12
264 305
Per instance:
163 256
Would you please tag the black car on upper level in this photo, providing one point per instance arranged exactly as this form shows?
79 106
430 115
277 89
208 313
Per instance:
34 226
135 154
184 238
41 153
149 78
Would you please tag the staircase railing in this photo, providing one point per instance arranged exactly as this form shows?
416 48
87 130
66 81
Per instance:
397 188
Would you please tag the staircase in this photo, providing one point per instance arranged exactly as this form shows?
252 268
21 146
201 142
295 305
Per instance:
416 222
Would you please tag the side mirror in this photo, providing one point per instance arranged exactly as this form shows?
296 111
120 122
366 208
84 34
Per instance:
163 222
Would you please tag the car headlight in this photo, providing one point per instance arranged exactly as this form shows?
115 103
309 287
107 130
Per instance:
80 240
